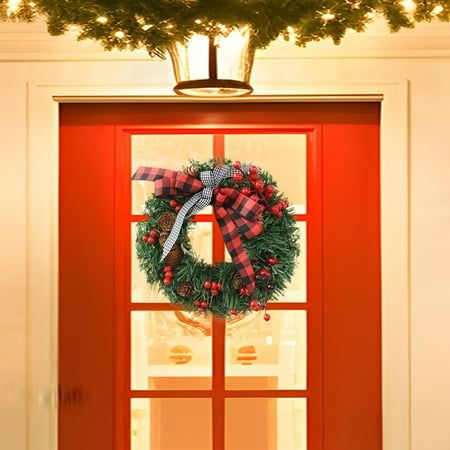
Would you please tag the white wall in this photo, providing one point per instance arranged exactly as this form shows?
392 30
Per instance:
421 56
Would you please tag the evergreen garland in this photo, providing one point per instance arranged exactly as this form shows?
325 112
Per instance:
158 24
273 253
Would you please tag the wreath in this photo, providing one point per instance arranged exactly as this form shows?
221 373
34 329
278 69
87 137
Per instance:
257 225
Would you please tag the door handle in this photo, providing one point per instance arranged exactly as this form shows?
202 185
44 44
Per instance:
70 397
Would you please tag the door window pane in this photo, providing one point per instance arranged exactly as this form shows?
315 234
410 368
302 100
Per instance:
295 290
200 237
282 155
266 355
171 424
167 151
170 350
265 424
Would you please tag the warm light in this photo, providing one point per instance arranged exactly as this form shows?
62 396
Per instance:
219 65
437 10
409 5
147 27
102 20
269 340
13 6
198 21
119 34
32 4
328 16
170 26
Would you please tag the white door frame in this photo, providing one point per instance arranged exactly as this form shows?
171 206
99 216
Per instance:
42 253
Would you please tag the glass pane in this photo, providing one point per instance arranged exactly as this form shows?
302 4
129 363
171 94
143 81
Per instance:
275 424
141 291
166 424
168 151
296 290
266 355
283 155
170 350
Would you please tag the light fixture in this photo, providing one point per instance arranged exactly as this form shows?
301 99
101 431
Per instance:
218 65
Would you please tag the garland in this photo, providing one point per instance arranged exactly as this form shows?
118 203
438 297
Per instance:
267 231
158 24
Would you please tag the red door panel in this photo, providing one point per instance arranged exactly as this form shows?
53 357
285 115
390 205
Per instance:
344 331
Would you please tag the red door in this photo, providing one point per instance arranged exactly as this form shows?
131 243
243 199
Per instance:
135 372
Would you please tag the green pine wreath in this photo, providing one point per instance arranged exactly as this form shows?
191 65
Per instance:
189 281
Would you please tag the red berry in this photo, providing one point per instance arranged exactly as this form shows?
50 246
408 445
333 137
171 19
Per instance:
272 261
270 188
197 303
246 191
259 185
237 165
255 198
244 291
214 285
268 195
237 177
258 308
200 310
151 240
280 214
264 273
154 233
219 286
253 303
168 275
254 177
214 292
233 312
253 170
207 284
167 281
275 210
167 269
145 238
204 304
177 208
266 317
173 203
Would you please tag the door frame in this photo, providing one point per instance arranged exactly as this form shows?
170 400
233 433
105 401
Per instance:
42 254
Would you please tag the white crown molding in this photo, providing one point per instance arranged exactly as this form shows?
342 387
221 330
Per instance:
21 42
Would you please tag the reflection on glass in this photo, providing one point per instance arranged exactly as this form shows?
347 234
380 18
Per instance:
296 290
283 155
200 237
171 424
266 355
274 424
168 151
170 350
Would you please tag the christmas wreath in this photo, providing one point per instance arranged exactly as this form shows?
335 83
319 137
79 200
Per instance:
257 226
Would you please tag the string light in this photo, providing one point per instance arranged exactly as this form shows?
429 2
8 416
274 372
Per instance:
198 21
328 16
409 5
119 34
437 10
13 6
102 20
147 27
32 5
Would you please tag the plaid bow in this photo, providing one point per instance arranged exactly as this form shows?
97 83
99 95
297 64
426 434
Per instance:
235 213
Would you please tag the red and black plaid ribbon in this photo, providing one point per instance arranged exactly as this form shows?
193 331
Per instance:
236 214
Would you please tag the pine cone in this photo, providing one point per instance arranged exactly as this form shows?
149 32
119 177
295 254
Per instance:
236 282
191 171
166 221
163 237
184 289
175 256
